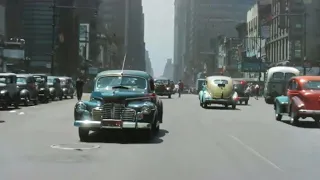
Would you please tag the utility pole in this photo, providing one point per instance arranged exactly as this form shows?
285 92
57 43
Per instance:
53 35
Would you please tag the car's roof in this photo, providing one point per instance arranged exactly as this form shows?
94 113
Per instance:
8 74
23 75
125 73
312 78
219 77
283 69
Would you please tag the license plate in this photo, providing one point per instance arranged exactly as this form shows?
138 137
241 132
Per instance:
112 123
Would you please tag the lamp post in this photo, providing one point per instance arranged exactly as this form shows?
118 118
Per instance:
54 15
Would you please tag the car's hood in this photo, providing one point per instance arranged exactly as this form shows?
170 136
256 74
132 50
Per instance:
117 94
220 92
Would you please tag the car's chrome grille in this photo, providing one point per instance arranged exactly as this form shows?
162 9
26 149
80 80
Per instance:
118 111
97 114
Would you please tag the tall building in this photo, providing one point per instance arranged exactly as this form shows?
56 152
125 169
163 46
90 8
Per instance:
180 36
149 68
113 15
205 21
168 69
135 35
2 17
295 36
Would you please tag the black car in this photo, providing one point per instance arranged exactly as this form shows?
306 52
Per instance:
26 84
67 87
240 87
55 89
9 93
41 81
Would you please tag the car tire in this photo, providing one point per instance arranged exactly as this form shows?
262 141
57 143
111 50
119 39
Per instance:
234 106
278 117
71 96
26 101
83 134
60 98
226 106
169 96
35 102
246 102
294 119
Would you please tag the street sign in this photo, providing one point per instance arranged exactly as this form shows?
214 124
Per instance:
253 67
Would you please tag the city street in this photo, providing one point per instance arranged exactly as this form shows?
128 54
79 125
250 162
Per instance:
193 144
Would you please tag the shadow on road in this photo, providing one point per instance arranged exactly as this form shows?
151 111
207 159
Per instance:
303 124
126 137
9 109
220 108
2 121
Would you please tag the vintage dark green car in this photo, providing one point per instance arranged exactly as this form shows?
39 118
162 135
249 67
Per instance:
120 100
164 87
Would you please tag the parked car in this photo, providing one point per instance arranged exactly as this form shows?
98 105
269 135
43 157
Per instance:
67 87
301 101
42 84
55 89
27 87
9 93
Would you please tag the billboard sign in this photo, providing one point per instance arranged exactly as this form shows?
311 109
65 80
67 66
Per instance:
249 66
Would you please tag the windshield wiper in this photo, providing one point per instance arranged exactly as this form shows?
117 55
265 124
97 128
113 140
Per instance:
120 87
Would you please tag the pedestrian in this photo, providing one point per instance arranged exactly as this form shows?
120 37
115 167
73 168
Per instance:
181 86
257 90
79 88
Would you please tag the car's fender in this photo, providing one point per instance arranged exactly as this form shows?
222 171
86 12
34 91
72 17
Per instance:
201 95
297 103
280 101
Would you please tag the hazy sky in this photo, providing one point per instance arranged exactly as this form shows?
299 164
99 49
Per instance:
159 18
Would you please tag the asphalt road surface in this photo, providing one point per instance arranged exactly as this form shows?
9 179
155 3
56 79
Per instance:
40 143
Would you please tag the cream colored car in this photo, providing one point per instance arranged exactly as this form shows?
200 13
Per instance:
218 90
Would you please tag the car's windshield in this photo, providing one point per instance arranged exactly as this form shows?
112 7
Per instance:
50 81
5 79
63 81
108 82
162 81
21 80
280 76
40 79
312 85
220 81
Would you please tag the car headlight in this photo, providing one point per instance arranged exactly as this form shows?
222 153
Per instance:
207 95
145 110
3 91
168 88
80 107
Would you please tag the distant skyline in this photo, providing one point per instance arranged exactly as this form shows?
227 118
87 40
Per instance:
159 24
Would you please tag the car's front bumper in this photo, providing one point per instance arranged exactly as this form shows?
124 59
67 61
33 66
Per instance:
219 101
245 98
306 112
98 125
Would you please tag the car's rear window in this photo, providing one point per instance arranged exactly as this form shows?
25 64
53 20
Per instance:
312 85
220 81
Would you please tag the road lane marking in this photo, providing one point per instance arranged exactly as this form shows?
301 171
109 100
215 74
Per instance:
21 113
256 153
12 111
79 148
